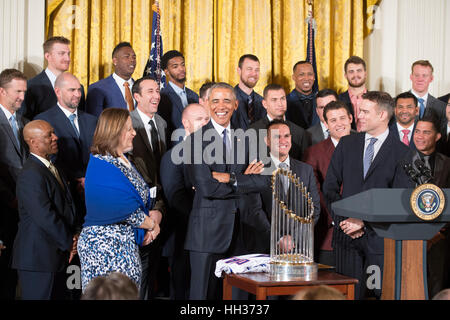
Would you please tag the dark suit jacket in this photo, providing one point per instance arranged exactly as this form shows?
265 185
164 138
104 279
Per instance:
437 107
104 94
345 97
301 112
445 98
40 96
73 152
318 157
299 137
240 116
315 134
170 107
393 128
47 217
345 173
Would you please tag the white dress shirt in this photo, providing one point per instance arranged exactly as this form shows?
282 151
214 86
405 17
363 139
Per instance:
400 133
377 145
68 114
51 76
120 83
146 119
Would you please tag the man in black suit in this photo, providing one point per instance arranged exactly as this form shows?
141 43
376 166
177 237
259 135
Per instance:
180 195
149 144
406 110
45 241
13 153
301 102
275 104
41 94
319 132
426 136
250 107
370 159
443 145
356 74
175 96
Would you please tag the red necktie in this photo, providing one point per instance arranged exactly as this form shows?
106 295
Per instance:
405 137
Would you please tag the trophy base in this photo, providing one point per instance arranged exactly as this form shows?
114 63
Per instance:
285 271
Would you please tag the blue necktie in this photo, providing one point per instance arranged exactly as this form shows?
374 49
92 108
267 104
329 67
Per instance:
226 142
13 123
368 157
72 121
422 107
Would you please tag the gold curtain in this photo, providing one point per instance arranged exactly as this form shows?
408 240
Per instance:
213 34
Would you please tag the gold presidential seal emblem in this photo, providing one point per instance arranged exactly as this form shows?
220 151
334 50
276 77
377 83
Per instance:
427 201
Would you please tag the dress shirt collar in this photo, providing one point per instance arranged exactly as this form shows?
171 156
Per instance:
51 76
43 160
7 113
145 118
277 161
177 89
324 128
424 97
270 119
352 95
220 129
67 112
400 128
380 137
335 142
120 81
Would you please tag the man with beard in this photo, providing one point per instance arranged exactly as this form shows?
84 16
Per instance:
356 74
405 111
175 96
301 102
250 107
115 90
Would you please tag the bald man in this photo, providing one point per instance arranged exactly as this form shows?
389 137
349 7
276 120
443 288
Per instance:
179 195
45 241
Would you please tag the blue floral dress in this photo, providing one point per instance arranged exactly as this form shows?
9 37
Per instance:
109 248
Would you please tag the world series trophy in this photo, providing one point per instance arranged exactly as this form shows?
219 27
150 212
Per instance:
292 229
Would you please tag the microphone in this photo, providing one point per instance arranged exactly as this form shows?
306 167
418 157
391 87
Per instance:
424 170
411 172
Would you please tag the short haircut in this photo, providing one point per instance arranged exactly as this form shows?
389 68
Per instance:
136 88
204 89
423 63
169 55
382 99
334 105
9 75
406 95
108 131
247 56
115 286
48 44
223 85
120 46
271 87
327 92
276 122
299 63
354 60
432 118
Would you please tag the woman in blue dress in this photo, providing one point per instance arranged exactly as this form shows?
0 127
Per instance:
117 202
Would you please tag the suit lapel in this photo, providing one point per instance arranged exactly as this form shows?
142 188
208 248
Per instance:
382 153
117 92
439 178
140 130
161 133
7 128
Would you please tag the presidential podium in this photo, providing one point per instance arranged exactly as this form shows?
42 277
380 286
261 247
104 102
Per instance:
389 214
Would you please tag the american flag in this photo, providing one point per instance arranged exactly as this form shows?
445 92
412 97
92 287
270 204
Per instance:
153 66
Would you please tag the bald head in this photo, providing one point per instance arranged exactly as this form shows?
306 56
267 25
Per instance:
68 91
194 116
40 137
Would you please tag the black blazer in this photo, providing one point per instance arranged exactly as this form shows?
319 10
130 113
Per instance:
240 116
393 128
47 218
40 96
345 97
300 112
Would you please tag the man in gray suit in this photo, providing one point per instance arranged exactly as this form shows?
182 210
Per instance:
421 77
319 132
149 145
13 85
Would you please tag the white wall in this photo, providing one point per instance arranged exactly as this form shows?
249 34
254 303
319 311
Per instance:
22 23
406 31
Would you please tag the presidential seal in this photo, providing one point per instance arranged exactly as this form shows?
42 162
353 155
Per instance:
427 201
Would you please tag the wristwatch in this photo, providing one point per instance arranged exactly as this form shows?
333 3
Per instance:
232 178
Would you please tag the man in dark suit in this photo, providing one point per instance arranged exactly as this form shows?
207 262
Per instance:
149 144
443 145
370 159
356 74
301 102
338 120
406 110
44 244
438 258
41 94
319 132
275 104
115 90
250 107
180 195
175 96
445 99
13 153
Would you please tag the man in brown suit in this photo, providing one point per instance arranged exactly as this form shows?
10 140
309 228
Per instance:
338 120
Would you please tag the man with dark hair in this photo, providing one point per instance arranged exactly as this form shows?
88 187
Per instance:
204 93
319 131
356 74
115 90
41 95
301 102
406 111
250 107
13 153
369 159
175 96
